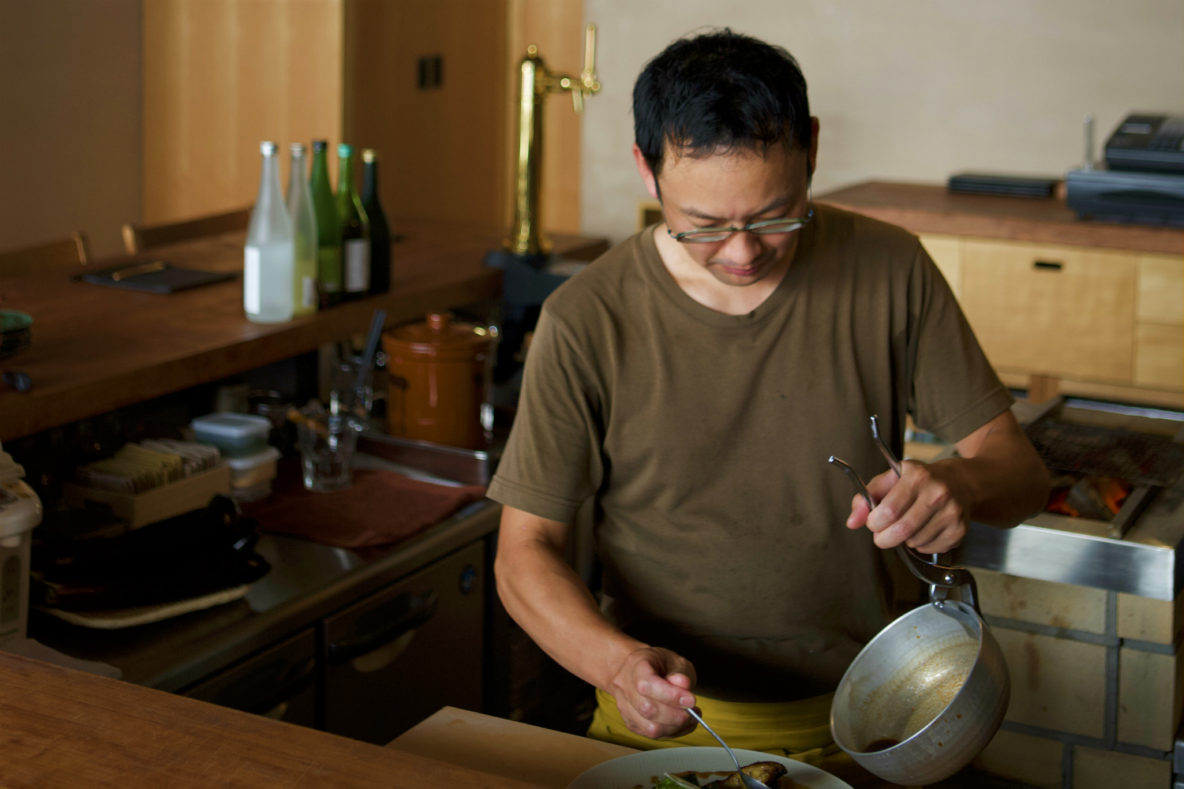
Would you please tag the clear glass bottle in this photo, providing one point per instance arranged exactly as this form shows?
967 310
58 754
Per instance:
355 228
268 253
328 226
380 230
304 234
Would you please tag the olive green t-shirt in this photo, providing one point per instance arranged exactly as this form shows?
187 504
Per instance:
704 438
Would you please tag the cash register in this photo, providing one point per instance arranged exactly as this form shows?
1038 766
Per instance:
1143 178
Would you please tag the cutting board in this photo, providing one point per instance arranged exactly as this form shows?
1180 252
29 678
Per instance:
506 748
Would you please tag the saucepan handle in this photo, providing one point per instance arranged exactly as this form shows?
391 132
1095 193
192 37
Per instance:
940 577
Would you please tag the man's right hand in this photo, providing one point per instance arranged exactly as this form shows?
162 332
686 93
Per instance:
551 603
652 688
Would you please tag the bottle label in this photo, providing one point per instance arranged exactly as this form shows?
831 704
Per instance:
308 292
357 265
251 275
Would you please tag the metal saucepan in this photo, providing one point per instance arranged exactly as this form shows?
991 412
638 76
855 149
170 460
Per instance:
924 697
927 693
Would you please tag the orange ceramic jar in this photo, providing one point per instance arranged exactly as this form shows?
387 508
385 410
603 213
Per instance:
438 379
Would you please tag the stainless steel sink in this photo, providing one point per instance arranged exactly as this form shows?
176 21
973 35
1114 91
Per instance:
423 460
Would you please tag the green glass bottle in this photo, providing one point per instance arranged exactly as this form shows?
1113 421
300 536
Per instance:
380 231
355 228
304 234
328 227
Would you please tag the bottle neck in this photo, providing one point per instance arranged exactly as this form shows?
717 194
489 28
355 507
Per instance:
320 168
370 182
269 179
345 176
296 172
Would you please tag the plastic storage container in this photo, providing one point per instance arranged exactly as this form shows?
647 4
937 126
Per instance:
251 476
20 512
236 435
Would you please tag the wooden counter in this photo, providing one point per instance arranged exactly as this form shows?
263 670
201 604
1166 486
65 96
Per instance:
64 728
98 348
931 208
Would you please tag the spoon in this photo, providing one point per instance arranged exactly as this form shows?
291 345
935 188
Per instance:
745 778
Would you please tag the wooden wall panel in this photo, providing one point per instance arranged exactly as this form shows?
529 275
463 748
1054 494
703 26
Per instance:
69 121
441 147
219 76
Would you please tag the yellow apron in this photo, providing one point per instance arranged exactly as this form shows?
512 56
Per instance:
797 729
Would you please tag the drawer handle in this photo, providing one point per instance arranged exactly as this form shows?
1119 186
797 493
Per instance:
1048 265
409 612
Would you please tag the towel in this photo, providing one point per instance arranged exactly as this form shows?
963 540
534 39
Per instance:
379 508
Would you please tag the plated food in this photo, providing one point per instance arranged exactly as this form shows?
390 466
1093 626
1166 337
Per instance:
771 774
645 768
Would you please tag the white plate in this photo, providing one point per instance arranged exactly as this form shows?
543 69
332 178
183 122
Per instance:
640 769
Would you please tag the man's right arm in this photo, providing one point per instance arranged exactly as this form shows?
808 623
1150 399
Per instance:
547 598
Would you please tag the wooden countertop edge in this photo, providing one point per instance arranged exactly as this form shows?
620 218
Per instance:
63 727
929 208
49 406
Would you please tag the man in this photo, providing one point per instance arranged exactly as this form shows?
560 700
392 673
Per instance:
693 382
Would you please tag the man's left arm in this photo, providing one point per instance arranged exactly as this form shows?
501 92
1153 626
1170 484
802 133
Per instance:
997 478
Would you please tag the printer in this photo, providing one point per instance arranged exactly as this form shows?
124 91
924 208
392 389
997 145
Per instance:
1143 178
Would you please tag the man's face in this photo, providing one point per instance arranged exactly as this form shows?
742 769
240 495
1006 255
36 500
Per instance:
733 189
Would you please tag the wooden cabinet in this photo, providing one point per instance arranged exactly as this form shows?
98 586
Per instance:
1060 306
1092 319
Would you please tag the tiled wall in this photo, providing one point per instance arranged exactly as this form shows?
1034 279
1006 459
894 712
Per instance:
1097 684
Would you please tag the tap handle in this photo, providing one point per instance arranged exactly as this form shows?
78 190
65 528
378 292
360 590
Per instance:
588 82
588 75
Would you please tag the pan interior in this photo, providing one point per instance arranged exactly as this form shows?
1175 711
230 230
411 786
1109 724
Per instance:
904 679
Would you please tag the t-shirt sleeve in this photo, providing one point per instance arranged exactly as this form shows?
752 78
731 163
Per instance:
954 388
552 461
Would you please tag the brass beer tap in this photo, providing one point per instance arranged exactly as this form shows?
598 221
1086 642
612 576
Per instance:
534 83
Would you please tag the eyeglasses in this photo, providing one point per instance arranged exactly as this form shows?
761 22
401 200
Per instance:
767 227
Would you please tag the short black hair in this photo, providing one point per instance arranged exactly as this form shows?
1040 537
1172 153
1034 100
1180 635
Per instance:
719 90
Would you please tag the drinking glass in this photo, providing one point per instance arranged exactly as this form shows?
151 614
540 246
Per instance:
327 442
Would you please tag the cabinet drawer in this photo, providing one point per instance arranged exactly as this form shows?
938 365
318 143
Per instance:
278 682
1159 329
1161 290
1159 356
1064 311
946 252
396 657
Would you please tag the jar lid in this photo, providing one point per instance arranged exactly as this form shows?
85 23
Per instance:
438 336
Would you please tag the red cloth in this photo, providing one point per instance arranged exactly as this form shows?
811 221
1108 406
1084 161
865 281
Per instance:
380 507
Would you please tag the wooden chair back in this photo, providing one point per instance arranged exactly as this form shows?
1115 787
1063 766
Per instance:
137 238
74 248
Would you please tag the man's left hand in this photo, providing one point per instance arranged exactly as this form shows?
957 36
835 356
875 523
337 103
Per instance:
926 508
